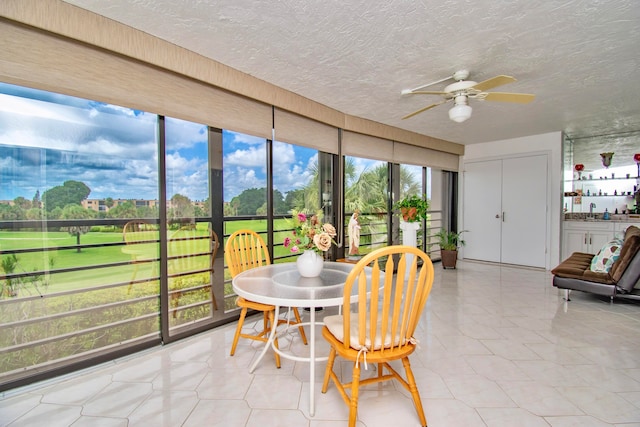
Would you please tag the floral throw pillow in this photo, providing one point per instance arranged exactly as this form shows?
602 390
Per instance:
604 259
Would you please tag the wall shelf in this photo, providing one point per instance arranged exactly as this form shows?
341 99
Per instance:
632 178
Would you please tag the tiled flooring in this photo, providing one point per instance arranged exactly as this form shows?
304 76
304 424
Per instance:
498 348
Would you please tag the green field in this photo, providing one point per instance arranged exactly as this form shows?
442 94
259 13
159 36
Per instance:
50 261
54 258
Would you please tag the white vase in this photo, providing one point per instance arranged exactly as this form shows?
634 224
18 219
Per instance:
310 264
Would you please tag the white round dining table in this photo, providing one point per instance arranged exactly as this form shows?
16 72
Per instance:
281 285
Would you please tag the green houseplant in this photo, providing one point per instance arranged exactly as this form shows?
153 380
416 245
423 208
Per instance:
449 242
412 208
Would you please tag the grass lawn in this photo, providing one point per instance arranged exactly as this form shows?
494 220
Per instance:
55 259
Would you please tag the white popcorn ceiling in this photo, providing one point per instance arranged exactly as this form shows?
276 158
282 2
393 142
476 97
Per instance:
579 57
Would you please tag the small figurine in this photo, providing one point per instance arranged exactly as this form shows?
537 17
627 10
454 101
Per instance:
354 233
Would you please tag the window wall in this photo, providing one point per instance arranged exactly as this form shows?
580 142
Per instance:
366 193
113 221
192 244
106 242
425 181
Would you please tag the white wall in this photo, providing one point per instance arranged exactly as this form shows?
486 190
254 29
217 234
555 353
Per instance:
549 143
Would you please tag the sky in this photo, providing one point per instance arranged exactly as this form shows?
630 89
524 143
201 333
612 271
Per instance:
47 138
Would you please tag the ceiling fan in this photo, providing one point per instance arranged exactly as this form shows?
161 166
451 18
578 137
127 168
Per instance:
463 90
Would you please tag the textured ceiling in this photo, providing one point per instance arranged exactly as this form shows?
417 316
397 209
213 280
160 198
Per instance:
579 57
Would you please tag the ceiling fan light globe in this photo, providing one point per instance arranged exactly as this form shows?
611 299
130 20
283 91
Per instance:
460 113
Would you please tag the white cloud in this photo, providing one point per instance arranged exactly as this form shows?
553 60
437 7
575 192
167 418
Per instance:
242 138
253 157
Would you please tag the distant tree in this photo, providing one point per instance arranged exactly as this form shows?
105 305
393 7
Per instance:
279 206
34 213
262 210
36 200
124 210
11 213
147 212
22 202
233 206
69 193
181 207
295 200
249 201
199 212
409 186
55 213
77 212
206 209
108 202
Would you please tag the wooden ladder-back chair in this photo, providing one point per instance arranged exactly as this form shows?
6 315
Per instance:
214 245
191 253
379 328
142 244
244 250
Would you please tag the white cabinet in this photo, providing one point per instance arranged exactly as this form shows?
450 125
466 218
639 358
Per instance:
621 227
589 237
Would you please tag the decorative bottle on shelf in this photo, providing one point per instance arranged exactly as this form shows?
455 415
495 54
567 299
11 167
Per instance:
606 214
599 192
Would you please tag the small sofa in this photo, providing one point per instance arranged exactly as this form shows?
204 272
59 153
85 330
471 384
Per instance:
622 280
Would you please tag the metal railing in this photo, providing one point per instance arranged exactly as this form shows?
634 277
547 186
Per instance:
95 302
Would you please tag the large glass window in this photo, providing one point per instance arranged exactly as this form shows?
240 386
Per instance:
245 177
191 241
73 173
366 196
106 231
296 177
418 180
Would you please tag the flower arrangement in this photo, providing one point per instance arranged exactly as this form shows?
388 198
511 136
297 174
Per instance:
309 233
413 208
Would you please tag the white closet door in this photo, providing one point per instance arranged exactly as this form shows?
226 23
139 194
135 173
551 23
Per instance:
524 205
482 207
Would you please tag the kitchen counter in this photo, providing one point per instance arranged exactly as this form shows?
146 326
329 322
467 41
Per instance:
597 217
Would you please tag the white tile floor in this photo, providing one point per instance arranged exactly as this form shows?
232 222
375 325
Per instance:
498 348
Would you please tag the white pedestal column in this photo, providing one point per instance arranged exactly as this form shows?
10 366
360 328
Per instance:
409 238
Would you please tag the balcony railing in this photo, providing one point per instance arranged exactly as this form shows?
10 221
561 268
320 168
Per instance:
65 298
62 302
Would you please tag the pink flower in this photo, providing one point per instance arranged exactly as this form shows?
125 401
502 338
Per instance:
287 242
294 249
302 217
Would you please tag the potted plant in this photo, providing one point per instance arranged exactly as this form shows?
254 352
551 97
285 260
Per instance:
449 242
412 208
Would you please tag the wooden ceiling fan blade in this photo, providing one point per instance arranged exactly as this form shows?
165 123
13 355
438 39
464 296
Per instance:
520 98
428 107
493 82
